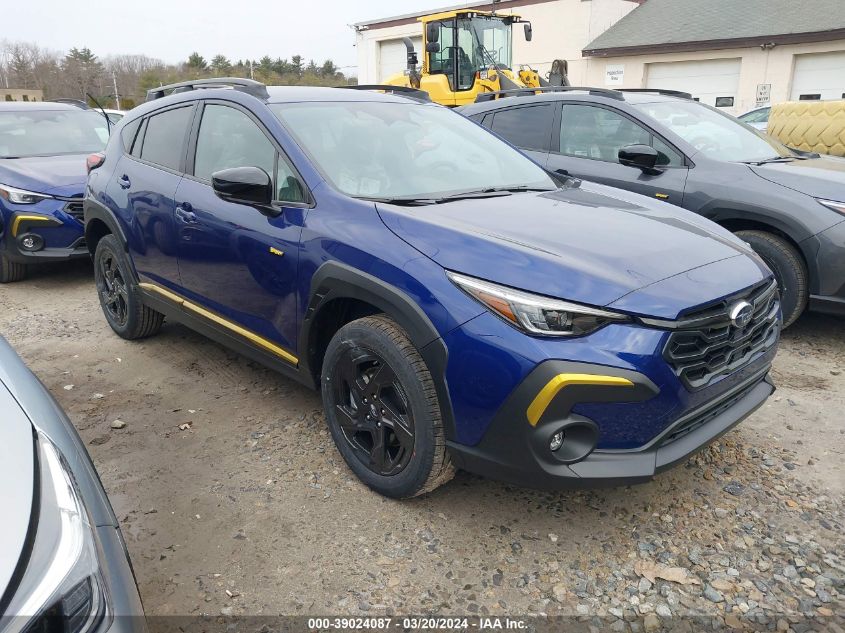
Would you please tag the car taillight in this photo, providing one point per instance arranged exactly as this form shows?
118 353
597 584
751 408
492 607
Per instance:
94 160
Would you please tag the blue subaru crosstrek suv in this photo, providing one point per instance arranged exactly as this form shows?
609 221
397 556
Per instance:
457 306
43 151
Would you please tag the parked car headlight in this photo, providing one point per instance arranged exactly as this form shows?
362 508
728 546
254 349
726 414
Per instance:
21 196
832 204
61 588
536 314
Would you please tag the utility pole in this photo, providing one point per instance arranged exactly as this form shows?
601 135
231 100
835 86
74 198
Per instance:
116 96
251 75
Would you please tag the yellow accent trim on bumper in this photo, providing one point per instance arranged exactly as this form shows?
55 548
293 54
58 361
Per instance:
29 218
542 400
216 318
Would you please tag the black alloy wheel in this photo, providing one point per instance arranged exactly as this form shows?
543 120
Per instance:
382 409
112 288
373 411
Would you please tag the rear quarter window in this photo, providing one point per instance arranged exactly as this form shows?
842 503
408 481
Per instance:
128 133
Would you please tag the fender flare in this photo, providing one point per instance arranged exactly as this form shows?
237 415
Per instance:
94 210
335 280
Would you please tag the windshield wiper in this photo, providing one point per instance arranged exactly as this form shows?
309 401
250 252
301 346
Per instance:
490 192
773 159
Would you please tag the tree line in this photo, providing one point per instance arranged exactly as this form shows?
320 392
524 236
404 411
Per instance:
79 72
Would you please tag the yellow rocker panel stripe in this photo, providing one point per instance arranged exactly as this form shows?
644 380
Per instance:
28 218
545 396
216 318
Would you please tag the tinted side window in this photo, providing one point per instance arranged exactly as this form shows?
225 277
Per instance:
598 133
229 138
127 135
164 137
528 127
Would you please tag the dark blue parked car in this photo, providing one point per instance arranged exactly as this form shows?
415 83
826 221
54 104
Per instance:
43 150
456 305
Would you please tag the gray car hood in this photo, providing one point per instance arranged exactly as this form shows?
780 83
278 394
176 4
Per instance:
17 472
822 177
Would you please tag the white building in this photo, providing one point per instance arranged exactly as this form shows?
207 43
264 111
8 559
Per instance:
743 52
561 29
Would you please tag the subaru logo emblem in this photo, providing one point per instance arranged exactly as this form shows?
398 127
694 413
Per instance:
741 313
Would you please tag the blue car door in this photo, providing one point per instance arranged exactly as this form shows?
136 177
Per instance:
144 188
234 260
586 145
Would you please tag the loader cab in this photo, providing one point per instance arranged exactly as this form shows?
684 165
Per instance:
467 45
464 51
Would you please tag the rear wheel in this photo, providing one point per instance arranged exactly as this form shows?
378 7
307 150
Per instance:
119 298
382 409
10 271
788 267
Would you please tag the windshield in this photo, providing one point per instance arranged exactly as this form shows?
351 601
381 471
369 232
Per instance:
403 150
49 132
468 45
713 133
487 40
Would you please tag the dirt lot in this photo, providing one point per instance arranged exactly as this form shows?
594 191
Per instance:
233 499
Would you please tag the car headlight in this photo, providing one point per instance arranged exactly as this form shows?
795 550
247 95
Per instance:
61 588
536 314
832 204
21 196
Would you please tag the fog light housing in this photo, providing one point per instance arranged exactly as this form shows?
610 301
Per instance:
556 442
31 242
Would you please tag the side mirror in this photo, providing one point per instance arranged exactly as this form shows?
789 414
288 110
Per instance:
244 185
528 32
432 47
432 32
643 157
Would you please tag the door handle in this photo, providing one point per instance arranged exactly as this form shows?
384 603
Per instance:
124 182
184 212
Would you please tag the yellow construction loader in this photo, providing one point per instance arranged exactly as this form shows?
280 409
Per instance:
468 53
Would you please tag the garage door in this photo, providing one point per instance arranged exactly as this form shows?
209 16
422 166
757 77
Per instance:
707 80
393 56
819 76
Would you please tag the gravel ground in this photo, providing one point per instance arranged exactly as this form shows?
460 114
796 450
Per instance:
233 499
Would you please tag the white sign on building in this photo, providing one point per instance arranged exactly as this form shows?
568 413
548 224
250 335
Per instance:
614 74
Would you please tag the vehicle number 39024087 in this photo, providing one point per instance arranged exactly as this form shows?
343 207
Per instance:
386 624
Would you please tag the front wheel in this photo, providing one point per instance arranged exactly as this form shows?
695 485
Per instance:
788 267
10 271
382 409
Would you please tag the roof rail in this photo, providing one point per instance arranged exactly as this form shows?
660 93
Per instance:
405 91
79 103
668 93
249 86
529 92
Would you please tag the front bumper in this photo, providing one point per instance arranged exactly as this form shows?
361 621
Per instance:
513 451
60 235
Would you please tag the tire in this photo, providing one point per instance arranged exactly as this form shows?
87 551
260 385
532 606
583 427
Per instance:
10 271
394 442
789 269
119 297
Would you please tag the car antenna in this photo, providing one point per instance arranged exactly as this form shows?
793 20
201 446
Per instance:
97 103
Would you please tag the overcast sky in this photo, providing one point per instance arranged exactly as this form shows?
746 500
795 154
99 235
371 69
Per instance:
171 29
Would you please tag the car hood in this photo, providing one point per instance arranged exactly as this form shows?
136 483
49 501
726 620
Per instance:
590 244
63 175
17 464
822 177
